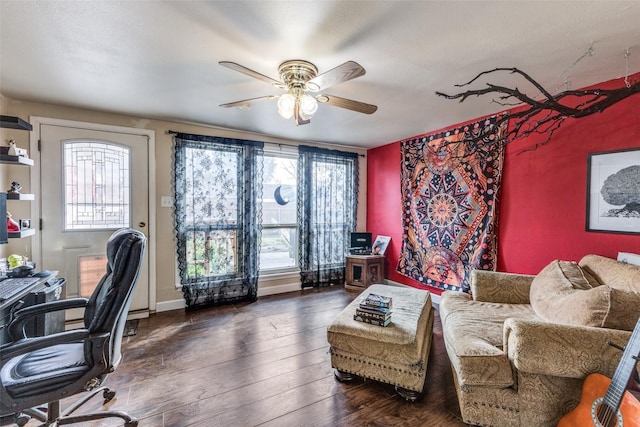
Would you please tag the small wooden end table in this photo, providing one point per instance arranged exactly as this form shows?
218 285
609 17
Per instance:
363 271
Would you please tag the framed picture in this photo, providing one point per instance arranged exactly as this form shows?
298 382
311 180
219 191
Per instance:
613 192
380 245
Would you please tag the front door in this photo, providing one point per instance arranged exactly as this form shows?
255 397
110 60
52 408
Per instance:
93 182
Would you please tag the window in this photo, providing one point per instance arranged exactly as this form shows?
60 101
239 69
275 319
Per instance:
279 247
211 211
217 197
96 185
240 211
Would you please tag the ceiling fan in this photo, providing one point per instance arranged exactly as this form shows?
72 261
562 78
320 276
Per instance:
300 78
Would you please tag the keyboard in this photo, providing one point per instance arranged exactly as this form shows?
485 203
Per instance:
14 285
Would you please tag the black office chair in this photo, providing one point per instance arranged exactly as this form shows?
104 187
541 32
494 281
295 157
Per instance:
42 370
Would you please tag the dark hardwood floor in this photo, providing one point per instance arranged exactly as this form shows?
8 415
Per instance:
263 364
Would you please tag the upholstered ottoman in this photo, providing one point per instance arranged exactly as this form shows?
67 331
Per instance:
396 354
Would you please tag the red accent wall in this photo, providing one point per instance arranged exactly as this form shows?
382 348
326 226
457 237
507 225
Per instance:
543 197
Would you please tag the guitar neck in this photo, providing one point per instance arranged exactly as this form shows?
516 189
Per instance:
623 372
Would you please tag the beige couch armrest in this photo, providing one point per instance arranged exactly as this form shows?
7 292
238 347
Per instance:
539 347
508 288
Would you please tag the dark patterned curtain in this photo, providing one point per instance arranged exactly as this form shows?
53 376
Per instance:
327 203
218 186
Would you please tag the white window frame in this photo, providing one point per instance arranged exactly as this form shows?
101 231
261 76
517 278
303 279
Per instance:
291 153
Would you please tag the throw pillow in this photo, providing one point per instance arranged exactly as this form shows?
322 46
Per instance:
564 293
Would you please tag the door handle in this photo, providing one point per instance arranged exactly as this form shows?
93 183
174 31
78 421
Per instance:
142 224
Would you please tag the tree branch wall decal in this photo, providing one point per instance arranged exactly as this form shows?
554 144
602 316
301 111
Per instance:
546 114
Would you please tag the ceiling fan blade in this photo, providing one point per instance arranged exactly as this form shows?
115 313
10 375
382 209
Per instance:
251 73
349 104
246 103
342 73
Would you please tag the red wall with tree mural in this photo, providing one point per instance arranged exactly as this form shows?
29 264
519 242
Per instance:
543 197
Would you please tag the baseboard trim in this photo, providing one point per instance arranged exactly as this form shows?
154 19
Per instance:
272 290
138 314
177 304
262 292
278 289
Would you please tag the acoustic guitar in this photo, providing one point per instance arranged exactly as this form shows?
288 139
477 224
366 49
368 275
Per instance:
606 403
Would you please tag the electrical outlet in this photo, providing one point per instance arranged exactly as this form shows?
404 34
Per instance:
166 202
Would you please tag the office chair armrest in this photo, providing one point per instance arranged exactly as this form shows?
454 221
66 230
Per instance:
25 345
15 328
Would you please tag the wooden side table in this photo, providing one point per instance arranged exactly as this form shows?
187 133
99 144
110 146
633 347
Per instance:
362 271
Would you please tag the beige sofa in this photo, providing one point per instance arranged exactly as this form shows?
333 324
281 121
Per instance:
522 346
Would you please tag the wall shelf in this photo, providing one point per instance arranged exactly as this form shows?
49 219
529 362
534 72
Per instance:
12 122
15 160
20 196
22 233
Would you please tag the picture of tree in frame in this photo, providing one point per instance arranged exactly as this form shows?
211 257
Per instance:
613 192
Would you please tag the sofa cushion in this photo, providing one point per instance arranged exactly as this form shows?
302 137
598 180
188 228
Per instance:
473 333
612 273
565 293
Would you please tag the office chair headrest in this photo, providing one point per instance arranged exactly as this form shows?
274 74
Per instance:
114 244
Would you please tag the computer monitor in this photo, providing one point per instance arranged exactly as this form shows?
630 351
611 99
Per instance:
360 243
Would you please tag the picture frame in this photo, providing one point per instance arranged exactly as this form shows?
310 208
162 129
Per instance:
380 245
613 192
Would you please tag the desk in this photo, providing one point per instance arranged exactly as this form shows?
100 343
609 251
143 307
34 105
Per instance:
47 289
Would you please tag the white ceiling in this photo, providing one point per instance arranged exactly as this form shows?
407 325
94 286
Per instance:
159 59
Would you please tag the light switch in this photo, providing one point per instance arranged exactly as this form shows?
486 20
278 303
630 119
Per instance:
166 202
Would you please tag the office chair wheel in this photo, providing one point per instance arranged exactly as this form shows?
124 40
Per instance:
108 394
22 419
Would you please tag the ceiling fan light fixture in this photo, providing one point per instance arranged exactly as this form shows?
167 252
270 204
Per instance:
286 104
304 116
308 105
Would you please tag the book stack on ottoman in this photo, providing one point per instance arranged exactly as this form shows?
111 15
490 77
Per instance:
396 354
374 309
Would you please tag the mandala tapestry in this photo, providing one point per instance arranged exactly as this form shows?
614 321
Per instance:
450 184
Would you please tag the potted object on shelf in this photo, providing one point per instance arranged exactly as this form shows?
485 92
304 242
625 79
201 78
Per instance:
12 224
